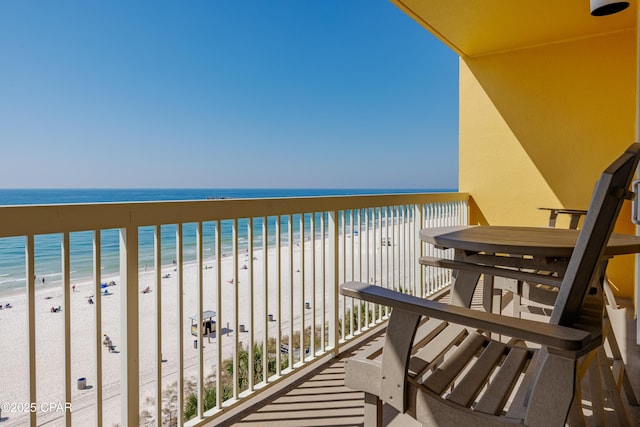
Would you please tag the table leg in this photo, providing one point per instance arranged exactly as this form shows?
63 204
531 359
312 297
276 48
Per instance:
552 218
575 219
491 296
463 286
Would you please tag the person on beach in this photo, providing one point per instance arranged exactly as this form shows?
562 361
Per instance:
43 282
108 344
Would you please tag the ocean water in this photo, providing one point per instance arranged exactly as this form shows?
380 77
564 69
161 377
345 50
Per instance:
48 247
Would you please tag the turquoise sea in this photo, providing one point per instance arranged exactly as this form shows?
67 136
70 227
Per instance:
47 247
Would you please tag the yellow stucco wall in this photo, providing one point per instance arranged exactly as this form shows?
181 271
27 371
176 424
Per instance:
537 126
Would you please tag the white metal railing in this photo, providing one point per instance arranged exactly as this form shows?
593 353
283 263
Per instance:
269 267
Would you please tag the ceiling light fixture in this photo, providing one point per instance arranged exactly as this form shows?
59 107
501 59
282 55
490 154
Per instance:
607 7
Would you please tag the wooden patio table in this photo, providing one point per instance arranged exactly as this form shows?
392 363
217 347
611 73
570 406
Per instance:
514 250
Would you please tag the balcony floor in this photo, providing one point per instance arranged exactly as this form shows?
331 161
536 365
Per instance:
321 399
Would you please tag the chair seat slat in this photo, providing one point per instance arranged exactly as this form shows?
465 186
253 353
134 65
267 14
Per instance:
470 385
445 374
495 396
437 346
427 330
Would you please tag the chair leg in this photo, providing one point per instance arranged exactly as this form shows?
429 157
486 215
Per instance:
611 391
576 417
549 402
612 343
372 410
596 392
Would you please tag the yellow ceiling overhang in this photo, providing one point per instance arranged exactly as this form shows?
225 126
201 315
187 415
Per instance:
483 27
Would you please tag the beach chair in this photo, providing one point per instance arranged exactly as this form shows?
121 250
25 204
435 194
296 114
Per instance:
447 365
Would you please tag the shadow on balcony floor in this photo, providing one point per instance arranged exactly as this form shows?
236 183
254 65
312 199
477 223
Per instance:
320 401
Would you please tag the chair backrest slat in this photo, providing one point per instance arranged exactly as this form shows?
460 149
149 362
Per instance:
608 196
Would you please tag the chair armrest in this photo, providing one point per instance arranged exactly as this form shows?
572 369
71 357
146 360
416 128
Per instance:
558 337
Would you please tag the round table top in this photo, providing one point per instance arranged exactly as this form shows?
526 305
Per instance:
534 241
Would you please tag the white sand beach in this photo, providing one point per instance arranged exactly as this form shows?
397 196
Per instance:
50 332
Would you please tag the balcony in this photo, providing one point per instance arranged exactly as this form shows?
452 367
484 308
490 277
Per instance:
265 272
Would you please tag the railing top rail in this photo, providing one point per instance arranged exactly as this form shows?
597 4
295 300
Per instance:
43 219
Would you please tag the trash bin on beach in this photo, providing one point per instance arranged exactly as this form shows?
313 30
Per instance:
242 328
195 343
82 383
271 318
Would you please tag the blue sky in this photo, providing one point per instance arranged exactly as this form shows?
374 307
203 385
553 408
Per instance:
219 94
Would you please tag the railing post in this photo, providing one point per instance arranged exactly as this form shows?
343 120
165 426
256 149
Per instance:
323 280
265 307
467 213
234 280
31 323
157 250
180 322
301 294
265 287
97 274
341 275
418 217
218 370
97 263
312 335
291 286
199 292
333 283
278 276
130 371
251 304
66 303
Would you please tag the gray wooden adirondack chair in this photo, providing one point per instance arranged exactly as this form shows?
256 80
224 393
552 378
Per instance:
438 363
